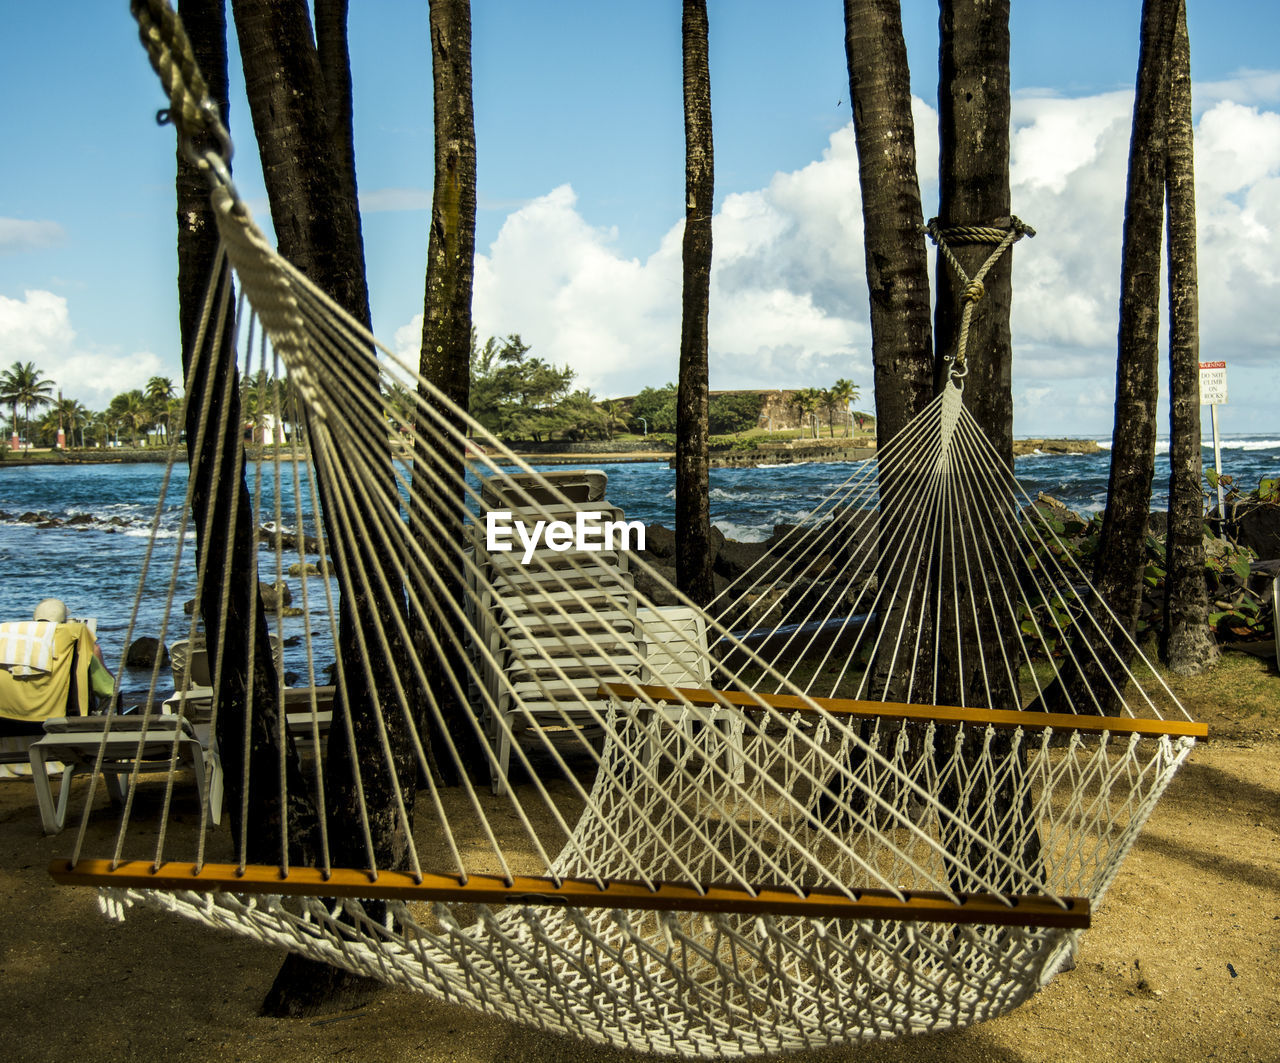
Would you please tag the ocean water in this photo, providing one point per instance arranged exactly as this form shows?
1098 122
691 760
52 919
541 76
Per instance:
92 558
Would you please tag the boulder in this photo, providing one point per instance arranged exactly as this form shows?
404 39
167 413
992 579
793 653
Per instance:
734 558
299 569
659 541
1259 529
143 652
652 589
275 594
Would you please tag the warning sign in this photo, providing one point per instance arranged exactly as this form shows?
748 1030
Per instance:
1213 383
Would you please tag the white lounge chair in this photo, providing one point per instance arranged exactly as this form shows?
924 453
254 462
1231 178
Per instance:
126 750
676 655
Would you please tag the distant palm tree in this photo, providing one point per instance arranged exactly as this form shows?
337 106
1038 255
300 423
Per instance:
806 401
158 392
844 392
129 410
22 385
69 414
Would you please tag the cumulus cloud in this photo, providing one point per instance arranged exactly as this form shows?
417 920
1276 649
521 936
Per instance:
37 328
18 235
789 303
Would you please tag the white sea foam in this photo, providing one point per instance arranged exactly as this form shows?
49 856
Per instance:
1162 445
743 533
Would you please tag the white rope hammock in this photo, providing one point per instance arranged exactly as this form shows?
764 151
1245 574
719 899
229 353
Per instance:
866 792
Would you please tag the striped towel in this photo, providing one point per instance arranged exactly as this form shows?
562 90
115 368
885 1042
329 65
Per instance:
26 646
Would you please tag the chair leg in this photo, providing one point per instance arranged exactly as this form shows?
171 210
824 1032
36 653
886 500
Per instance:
215 788
52 816
498 777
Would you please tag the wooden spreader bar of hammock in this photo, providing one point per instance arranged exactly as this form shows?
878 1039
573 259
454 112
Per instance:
914 905
1000 718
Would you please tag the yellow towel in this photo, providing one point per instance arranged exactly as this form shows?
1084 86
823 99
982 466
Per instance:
26 646
43 694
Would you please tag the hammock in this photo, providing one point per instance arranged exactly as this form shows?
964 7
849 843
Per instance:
868 791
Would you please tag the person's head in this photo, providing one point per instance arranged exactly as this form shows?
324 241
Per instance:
54 609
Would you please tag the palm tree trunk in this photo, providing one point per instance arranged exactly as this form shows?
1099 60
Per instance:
973 94
222 538
311 187
693 509
897 264
445 361
1188 645
1120 556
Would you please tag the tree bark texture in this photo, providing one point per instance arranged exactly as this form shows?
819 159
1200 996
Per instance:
974 106
973 97
896 263
1120 556
892 220
1188 643
445 361
225 535
693 513
314 210
973 93
306 160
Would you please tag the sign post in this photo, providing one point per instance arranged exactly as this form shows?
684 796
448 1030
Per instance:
1213 393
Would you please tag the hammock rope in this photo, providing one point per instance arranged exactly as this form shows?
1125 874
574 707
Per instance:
826 808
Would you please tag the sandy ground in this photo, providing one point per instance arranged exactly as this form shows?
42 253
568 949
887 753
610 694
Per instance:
1182 963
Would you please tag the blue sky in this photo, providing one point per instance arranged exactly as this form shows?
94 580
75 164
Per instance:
580 139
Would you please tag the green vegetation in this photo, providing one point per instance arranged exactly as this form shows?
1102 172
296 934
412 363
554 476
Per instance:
140 417
1239 609
518 396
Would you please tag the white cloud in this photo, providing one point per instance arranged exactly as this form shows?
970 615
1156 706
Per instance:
18 235
789 300
37 328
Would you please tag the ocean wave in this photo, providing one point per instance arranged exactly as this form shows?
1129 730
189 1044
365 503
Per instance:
743 533
1206 443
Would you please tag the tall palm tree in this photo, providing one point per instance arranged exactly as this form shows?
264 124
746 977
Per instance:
129 410
892 218
806 402
158 392
69 414
1188 644
22 384
445 353
693 509
1120 556
843 392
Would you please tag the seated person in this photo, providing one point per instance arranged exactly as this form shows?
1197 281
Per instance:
48 667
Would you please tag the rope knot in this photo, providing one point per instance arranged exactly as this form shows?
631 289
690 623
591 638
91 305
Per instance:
973 291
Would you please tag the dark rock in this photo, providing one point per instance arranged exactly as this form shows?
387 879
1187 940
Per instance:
189 606
31 518
660 541
1259 529
80 518
1158 523
274 595
299 569
652 589
143 652
734 558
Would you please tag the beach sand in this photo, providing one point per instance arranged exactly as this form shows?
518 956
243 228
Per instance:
1182 962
